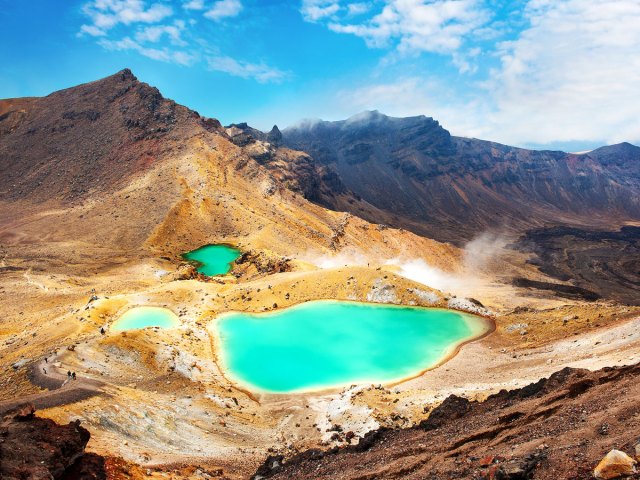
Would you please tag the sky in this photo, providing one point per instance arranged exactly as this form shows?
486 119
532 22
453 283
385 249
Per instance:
559 74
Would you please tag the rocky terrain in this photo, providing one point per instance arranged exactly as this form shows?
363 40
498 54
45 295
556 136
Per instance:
605 263
452 188
38 448
106 184
557 428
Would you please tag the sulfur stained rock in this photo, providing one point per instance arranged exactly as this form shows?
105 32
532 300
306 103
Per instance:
615 465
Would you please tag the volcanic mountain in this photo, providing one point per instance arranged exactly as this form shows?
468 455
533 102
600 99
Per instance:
451 188
105 185
115 164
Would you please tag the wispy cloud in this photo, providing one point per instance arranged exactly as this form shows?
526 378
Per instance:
217 10
161 54
407 26
194 5
572 74
315 10
361 8
258 71
156 31
224 9
106 14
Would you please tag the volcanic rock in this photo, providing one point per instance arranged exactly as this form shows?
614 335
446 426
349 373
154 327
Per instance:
615 464
38 448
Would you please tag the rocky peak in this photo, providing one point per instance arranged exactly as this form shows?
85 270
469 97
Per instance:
44 142
126 75
618 154
275 136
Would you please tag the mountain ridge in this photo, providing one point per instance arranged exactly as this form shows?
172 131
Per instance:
452 188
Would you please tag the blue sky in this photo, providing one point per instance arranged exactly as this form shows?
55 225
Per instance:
558 73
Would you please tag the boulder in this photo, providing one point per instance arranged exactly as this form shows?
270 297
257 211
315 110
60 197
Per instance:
38 448
615 464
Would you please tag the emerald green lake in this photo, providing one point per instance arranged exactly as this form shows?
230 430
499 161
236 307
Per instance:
326 343
143 317
213 260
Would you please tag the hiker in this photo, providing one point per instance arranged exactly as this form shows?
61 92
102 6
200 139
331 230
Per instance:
68 373
73 375
46 359
44 370
102 330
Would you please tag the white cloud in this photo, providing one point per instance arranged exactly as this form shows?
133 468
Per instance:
358 8
161 54
574 74
408 25
315 10
257 71
92 30
106 14
224 9
142 30
194 5
155 33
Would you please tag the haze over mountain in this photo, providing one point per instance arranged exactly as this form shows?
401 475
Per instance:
452 188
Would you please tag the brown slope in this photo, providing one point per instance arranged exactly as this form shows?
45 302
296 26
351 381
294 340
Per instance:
110 171
452 188
89 139
604 262
556 429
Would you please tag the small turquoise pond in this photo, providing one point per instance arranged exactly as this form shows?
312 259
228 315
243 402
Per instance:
327 343
143 317
213 260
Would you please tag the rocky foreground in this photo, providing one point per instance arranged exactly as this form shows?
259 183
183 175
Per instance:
557 428
575 425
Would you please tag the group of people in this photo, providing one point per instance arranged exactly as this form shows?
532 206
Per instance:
70 375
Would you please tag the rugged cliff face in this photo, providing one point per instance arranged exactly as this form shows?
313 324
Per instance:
38 448
451 188
294 169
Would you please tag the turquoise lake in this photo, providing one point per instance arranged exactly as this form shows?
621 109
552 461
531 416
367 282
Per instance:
323 344
143 317
213 260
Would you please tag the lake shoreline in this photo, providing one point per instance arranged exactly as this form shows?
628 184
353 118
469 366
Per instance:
479 326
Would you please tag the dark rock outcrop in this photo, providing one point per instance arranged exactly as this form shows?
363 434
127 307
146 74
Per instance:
598 263
292 169
39 449
545 431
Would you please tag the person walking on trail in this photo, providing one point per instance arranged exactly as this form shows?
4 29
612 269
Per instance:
46 359
44 370
73 375
68 373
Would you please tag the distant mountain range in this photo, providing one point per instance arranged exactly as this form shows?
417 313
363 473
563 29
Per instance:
406 172
450 188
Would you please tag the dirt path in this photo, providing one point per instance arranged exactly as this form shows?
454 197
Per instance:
60 389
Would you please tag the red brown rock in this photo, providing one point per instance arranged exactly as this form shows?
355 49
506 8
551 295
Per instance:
38 448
